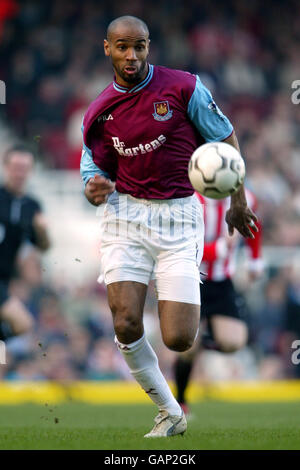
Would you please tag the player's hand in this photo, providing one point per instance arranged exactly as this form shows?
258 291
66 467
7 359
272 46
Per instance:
97 189
243 219
39 221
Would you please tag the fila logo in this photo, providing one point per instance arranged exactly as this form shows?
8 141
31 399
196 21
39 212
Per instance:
105 118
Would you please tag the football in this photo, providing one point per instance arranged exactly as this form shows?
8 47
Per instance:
216 170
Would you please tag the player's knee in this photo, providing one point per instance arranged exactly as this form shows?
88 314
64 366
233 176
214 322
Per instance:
231 345
178 343
127 325
230 337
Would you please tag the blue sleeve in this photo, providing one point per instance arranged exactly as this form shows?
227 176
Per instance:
87 166
208 119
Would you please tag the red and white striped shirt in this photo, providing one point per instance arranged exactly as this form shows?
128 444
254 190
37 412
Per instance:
218 260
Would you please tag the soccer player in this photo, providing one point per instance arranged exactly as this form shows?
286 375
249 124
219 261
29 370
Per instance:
223 309
138 137
21 220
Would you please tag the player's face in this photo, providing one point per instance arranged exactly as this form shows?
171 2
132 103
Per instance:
128 49
17 170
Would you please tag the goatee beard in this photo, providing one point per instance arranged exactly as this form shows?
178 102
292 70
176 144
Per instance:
131 80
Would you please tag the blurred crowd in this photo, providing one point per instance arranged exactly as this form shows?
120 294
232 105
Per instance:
73 338
247 54
52 60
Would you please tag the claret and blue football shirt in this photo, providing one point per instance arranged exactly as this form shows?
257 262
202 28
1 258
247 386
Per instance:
143 137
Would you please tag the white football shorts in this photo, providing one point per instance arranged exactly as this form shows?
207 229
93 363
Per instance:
153 239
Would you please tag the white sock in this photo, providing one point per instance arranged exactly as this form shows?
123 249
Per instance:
143 364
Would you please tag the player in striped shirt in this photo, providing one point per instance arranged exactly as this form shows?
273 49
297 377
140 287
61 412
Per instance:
223 312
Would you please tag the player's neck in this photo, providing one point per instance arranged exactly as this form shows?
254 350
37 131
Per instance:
12 190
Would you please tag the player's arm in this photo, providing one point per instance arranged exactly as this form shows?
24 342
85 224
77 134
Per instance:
239 215
255 262
254 245
97 182
214 126
40 228
218 249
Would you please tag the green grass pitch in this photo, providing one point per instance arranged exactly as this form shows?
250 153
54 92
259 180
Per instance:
215 425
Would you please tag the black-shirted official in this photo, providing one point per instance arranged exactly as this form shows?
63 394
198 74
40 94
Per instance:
21 220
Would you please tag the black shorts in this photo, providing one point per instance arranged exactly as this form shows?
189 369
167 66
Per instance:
4 295
221 298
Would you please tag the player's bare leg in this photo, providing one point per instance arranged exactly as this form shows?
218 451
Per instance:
183 367
179 323
126 300
230 334
16 315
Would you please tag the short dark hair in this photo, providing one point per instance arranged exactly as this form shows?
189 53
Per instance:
20 148
127 19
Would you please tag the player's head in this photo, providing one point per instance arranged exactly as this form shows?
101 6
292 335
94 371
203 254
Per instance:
127 44
17 164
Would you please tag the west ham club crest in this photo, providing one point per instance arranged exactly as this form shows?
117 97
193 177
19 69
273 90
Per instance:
162 111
